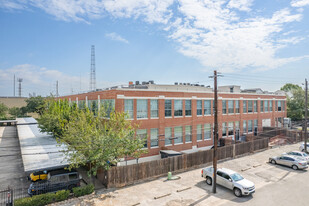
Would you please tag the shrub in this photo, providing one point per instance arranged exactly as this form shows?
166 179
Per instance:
85 190
38 200
62 195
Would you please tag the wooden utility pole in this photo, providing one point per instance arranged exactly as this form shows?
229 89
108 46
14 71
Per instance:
214 182
306 108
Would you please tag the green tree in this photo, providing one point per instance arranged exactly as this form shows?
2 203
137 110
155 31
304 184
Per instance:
35 104
295 101
15 112
3 110
91 139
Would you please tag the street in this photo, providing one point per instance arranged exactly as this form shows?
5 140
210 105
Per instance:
275 185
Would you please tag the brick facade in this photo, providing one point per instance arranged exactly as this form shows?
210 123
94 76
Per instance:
161 122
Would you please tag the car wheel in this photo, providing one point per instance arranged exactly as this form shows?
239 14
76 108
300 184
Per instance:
294 167
237 192
273 162
208 180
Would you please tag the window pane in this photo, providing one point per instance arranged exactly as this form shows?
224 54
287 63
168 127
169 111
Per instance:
255 106
223 129
168 108
231 129
250 106
168 136
154 137
178 135
188 133
262 105
128 107
207 107
282 105
141 108
231 106
266 105
177 108
223 106
244 126
270 105
244 102
154 108
249 125
199 132
199 107
142 133
108 105
237 106
188 107
207 131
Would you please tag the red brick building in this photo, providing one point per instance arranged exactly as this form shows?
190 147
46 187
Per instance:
180 117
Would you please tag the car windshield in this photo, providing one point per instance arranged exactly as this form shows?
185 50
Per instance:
305 155
236 177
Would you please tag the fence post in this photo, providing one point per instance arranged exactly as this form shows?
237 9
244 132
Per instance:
234 152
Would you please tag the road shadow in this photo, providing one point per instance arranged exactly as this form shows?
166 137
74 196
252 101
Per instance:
287 168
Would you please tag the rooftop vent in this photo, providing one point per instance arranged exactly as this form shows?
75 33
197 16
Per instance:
136 82
176 83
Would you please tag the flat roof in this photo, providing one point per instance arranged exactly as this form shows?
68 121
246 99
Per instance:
39 151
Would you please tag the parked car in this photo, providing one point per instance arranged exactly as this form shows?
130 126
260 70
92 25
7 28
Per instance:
302 147
290 161
56 180
303 155
37 176
231 180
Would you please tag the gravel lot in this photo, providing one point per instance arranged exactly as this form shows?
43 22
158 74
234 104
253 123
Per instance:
191 189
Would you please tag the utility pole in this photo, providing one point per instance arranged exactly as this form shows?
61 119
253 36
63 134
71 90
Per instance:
306 108
214 182
14 85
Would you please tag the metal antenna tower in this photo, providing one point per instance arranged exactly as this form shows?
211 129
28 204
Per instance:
14 85
92 70
19 87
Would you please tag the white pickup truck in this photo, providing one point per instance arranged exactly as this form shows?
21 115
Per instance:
231 180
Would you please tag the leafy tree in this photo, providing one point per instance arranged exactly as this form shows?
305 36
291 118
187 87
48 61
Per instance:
35 104
15 112
3 110
91 139
295 101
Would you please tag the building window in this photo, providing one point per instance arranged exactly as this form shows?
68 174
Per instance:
141 108
270 105
283 105
266 105
231 129
168 108
154 109
279 106
178 135
244 126
142 133
231 106
207 107
199 107
223 106
188 133
237 106
250 106
255 106
81 104
207 131
249 125
128 108
224 129
237 129
244 106
108 105
93 106
199 135
256 126
188 107
154 137
168 136
262 105
177 108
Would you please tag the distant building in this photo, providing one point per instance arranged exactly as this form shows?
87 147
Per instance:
181 116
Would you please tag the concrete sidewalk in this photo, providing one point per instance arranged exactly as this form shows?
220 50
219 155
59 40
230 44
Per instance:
191 188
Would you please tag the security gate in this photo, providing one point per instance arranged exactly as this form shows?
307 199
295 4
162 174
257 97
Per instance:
6 197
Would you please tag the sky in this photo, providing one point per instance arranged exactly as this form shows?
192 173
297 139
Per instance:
253 43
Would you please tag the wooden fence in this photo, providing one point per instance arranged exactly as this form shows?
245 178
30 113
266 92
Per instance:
126 175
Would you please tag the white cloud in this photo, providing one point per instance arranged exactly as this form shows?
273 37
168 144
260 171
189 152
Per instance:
215 32
116 37
299 3
10 5
43 81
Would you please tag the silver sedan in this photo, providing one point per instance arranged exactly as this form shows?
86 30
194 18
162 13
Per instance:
299 154
290 161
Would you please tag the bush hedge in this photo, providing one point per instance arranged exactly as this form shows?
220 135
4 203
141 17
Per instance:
81 191
44 199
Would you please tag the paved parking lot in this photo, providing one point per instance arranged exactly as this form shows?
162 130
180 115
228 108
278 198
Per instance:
275 185
11 165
